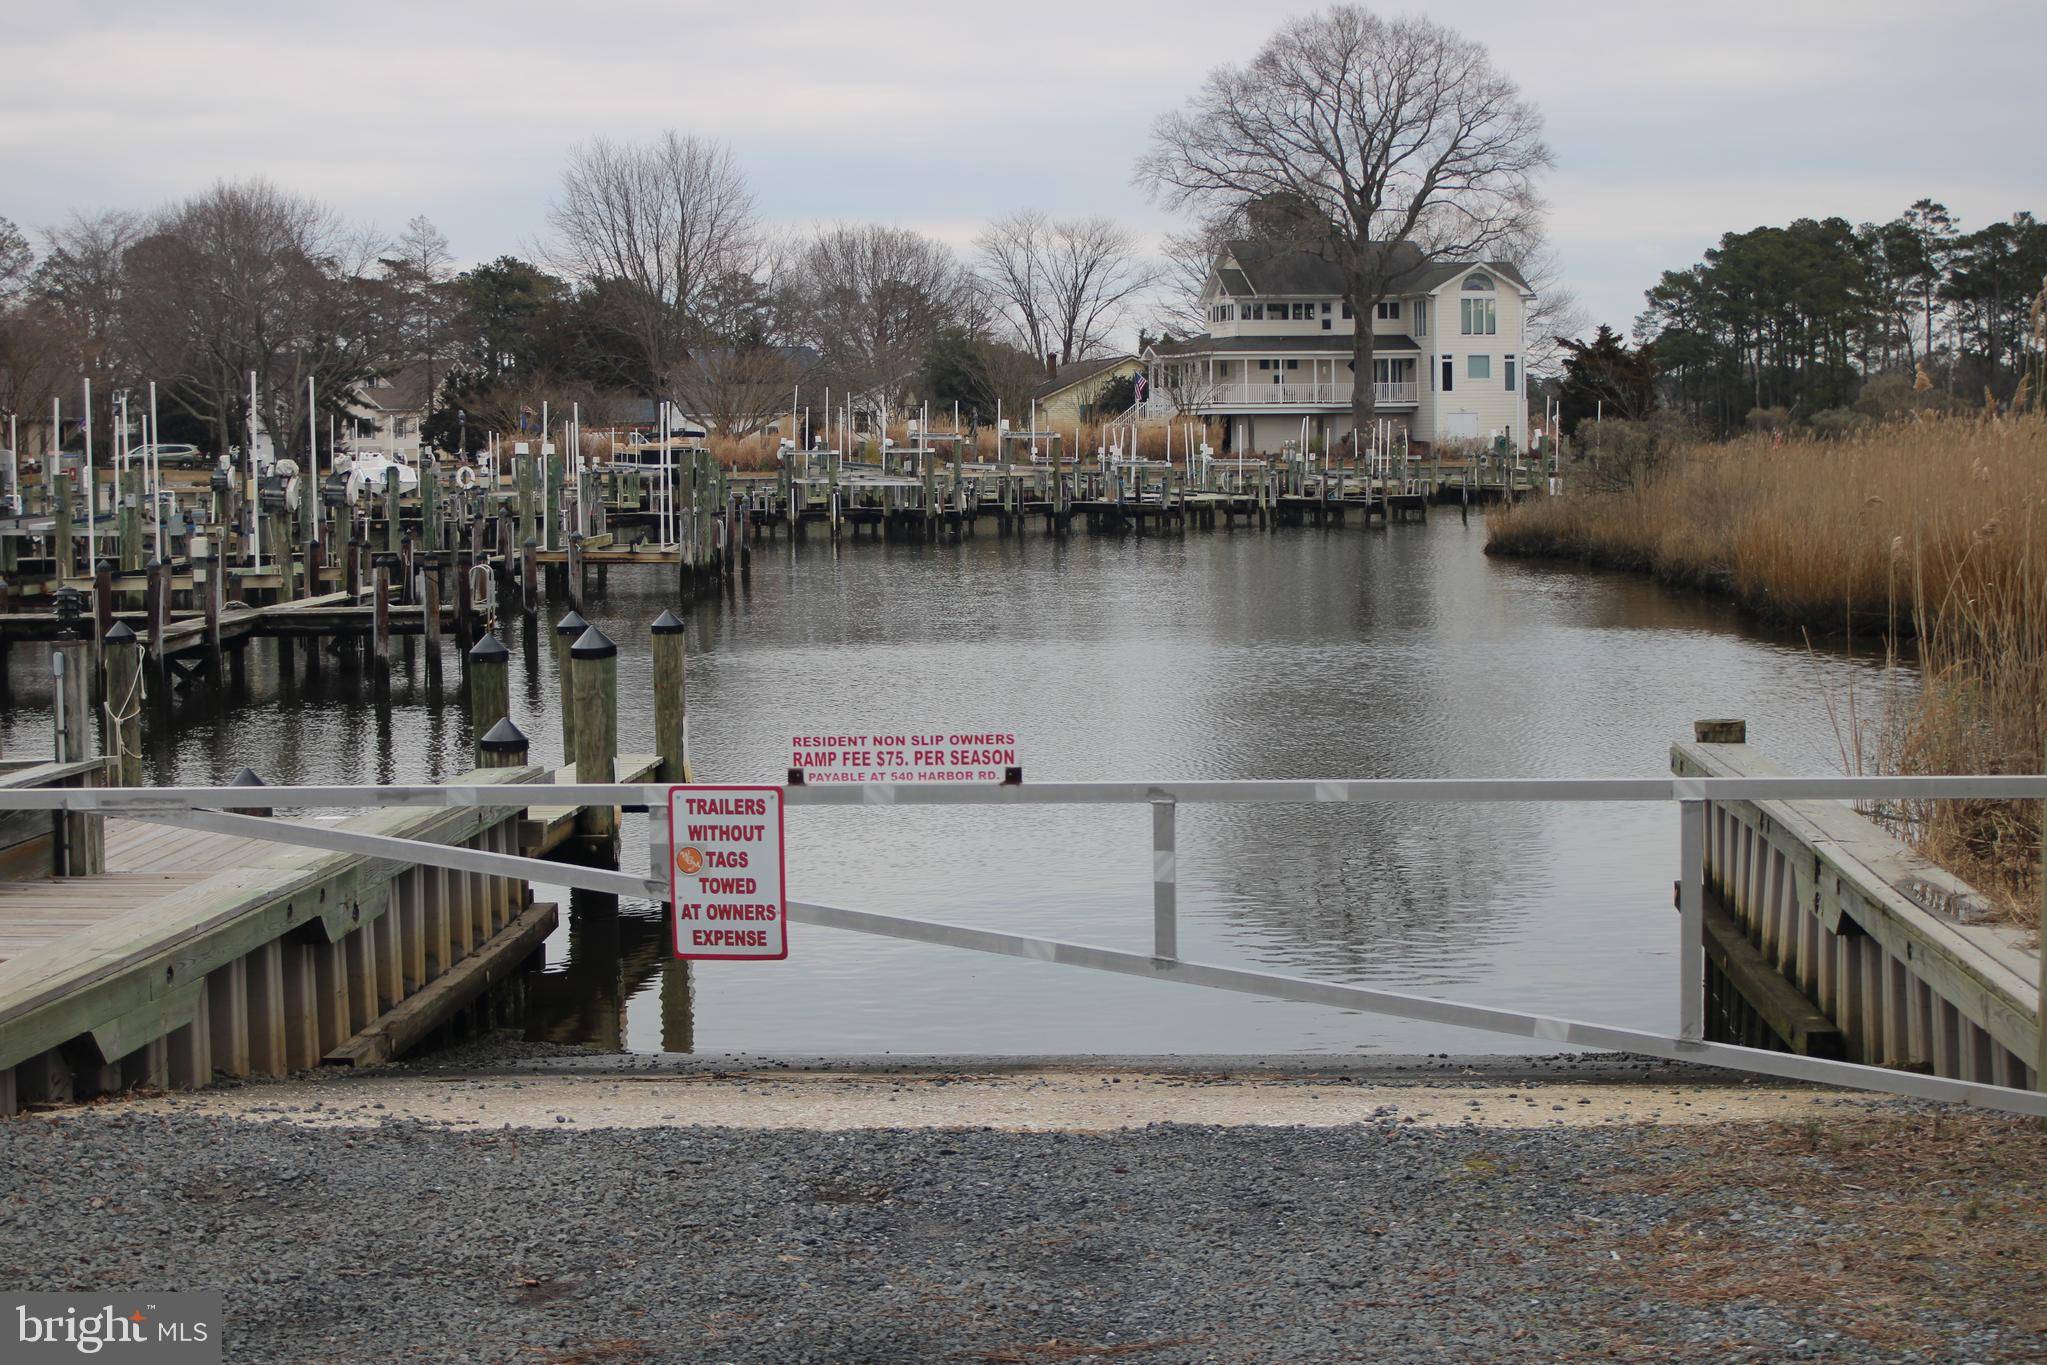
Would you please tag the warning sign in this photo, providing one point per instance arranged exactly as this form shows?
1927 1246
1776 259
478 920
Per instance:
934 755
725 873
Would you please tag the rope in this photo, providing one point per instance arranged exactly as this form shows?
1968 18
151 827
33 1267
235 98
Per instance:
131 709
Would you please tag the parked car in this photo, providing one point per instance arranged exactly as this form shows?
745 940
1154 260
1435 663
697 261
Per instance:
171 455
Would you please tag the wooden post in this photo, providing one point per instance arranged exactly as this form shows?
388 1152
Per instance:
574 576
465 565
523 469
490 666
214 593
103 595
429 503
80 850
155 607
393 523
529 577
121 718
593 670
430 608
671 711
551 501
504 747
380 616
64 554
567 631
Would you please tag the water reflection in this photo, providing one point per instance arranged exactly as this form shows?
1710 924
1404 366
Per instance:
1351 653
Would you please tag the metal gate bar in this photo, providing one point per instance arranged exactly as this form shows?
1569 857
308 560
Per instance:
136 800
1164 966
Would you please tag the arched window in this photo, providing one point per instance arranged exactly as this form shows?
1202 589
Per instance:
1479 281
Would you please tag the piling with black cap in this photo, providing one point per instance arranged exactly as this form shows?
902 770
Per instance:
504 747
121 717
490 665
247 778
593 692
567 631
671 727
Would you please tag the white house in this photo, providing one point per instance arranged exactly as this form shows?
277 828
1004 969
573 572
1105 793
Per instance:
385 412
1276 359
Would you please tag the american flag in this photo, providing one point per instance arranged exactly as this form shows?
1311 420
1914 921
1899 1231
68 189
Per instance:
1140 386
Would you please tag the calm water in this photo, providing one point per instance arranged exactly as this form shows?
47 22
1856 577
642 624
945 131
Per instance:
1309 653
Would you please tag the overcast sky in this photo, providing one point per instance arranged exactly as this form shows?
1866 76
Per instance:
1671 122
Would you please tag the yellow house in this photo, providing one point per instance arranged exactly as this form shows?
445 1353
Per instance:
1070 393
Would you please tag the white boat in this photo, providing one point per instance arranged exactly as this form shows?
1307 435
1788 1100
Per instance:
368 472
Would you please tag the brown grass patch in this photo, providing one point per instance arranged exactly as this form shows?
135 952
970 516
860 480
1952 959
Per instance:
1913 1222
1928 538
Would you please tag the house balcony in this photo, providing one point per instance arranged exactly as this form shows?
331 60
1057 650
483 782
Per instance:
1254 397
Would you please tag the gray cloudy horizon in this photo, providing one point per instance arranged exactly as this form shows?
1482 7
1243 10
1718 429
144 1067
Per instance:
1671 123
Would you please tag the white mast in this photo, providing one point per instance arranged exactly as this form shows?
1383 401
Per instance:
255 489
92 545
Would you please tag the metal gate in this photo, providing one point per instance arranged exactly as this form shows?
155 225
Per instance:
210 808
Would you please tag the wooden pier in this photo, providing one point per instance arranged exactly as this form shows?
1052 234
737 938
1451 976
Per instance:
1827 936
138 952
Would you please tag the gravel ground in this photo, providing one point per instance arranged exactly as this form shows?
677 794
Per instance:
1907 1233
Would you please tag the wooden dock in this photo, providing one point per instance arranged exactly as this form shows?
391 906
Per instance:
1827 936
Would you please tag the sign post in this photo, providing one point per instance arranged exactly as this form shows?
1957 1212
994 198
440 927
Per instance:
725 874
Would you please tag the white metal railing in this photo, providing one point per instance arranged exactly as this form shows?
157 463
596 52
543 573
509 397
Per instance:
206 808
1254 394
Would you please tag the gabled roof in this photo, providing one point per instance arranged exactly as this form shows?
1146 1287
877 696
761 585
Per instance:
1265 269
1435 276
1077 372
403 389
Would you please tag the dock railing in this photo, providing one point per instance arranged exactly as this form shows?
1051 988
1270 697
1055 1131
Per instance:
1695 798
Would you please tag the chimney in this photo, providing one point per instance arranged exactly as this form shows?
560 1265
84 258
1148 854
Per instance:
1051 364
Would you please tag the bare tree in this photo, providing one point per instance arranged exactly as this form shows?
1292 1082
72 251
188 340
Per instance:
665 223
1556 315
1061 286
1189 259
17 258
419 271
870 299
247 277
1383 136
740 390
79 280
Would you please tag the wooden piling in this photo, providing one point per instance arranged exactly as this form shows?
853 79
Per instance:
671 708
593 670
503 747
380 616
465 567
567 631
82 851
65 551
121 717
430 608
490 665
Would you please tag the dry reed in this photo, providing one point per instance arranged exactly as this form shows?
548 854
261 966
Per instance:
1931 536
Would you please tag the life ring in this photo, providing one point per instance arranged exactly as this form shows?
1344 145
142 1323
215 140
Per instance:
465 477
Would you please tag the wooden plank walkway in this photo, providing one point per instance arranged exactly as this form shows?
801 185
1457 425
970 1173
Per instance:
146 864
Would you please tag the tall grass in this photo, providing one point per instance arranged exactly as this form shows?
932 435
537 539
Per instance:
1929 536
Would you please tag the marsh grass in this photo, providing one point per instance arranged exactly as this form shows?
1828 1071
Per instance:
1926 539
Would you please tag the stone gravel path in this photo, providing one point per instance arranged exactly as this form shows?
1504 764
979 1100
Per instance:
1894 1233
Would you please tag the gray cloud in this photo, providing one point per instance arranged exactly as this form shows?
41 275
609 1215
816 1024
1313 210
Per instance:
1672 122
